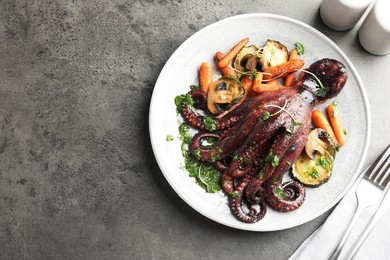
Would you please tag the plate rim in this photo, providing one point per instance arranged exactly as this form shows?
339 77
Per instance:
360 86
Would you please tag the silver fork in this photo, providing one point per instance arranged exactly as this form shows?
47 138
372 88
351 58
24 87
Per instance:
377 174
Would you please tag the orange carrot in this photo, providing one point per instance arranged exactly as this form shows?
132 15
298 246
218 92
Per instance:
247 84
228 70
289 79
272 82
293 54
335 122
257 80
283 68
300 75
205 76
266 88
319 120
232 53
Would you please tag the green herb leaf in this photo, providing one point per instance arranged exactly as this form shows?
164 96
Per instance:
295 123
324 162
234 194
169 138
210 123
261 175
300 48
206 176
194 87
273 159
184 99
266 115
197 154
279 193
321 92
314 173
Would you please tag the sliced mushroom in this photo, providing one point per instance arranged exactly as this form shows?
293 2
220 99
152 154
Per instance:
222 93
317 142
223 96
249 59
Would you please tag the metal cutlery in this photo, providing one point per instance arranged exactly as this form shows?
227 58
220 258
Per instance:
380 211
378 175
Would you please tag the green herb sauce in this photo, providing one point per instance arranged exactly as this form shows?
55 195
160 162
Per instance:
206 175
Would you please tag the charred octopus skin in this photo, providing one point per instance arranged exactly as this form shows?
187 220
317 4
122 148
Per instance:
258 141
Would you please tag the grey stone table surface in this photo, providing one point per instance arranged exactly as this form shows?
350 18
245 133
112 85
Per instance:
78 179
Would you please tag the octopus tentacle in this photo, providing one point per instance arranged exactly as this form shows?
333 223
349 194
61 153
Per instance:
227 183
254 147
201 152
285 197
255 193
197 120
200 98
289 195
236 204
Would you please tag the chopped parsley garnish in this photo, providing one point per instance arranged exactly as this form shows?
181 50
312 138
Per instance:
314 173
274 159
261 175
266 115
321 92
279 193
206 175
169 138
184 133
324 162
197 154
184 99
300 48
210 123
295 123
234 194
194 87
345 131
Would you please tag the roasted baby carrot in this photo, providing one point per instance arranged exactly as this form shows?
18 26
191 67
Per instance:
289 79
283 68
335 122
247 84
320 120
228 70
266 88
205 76
273 82
257 80
232 53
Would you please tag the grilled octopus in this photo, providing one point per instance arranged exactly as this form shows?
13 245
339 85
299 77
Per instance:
259 140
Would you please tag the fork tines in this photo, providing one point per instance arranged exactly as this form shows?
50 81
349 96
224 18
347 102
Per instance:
379 172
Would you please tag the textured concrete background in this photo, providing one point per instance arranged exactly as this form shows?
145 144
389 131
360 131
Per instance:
78 179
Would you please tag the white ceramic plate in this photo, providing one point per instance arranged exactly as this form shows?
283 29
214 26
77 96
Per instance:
181 70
